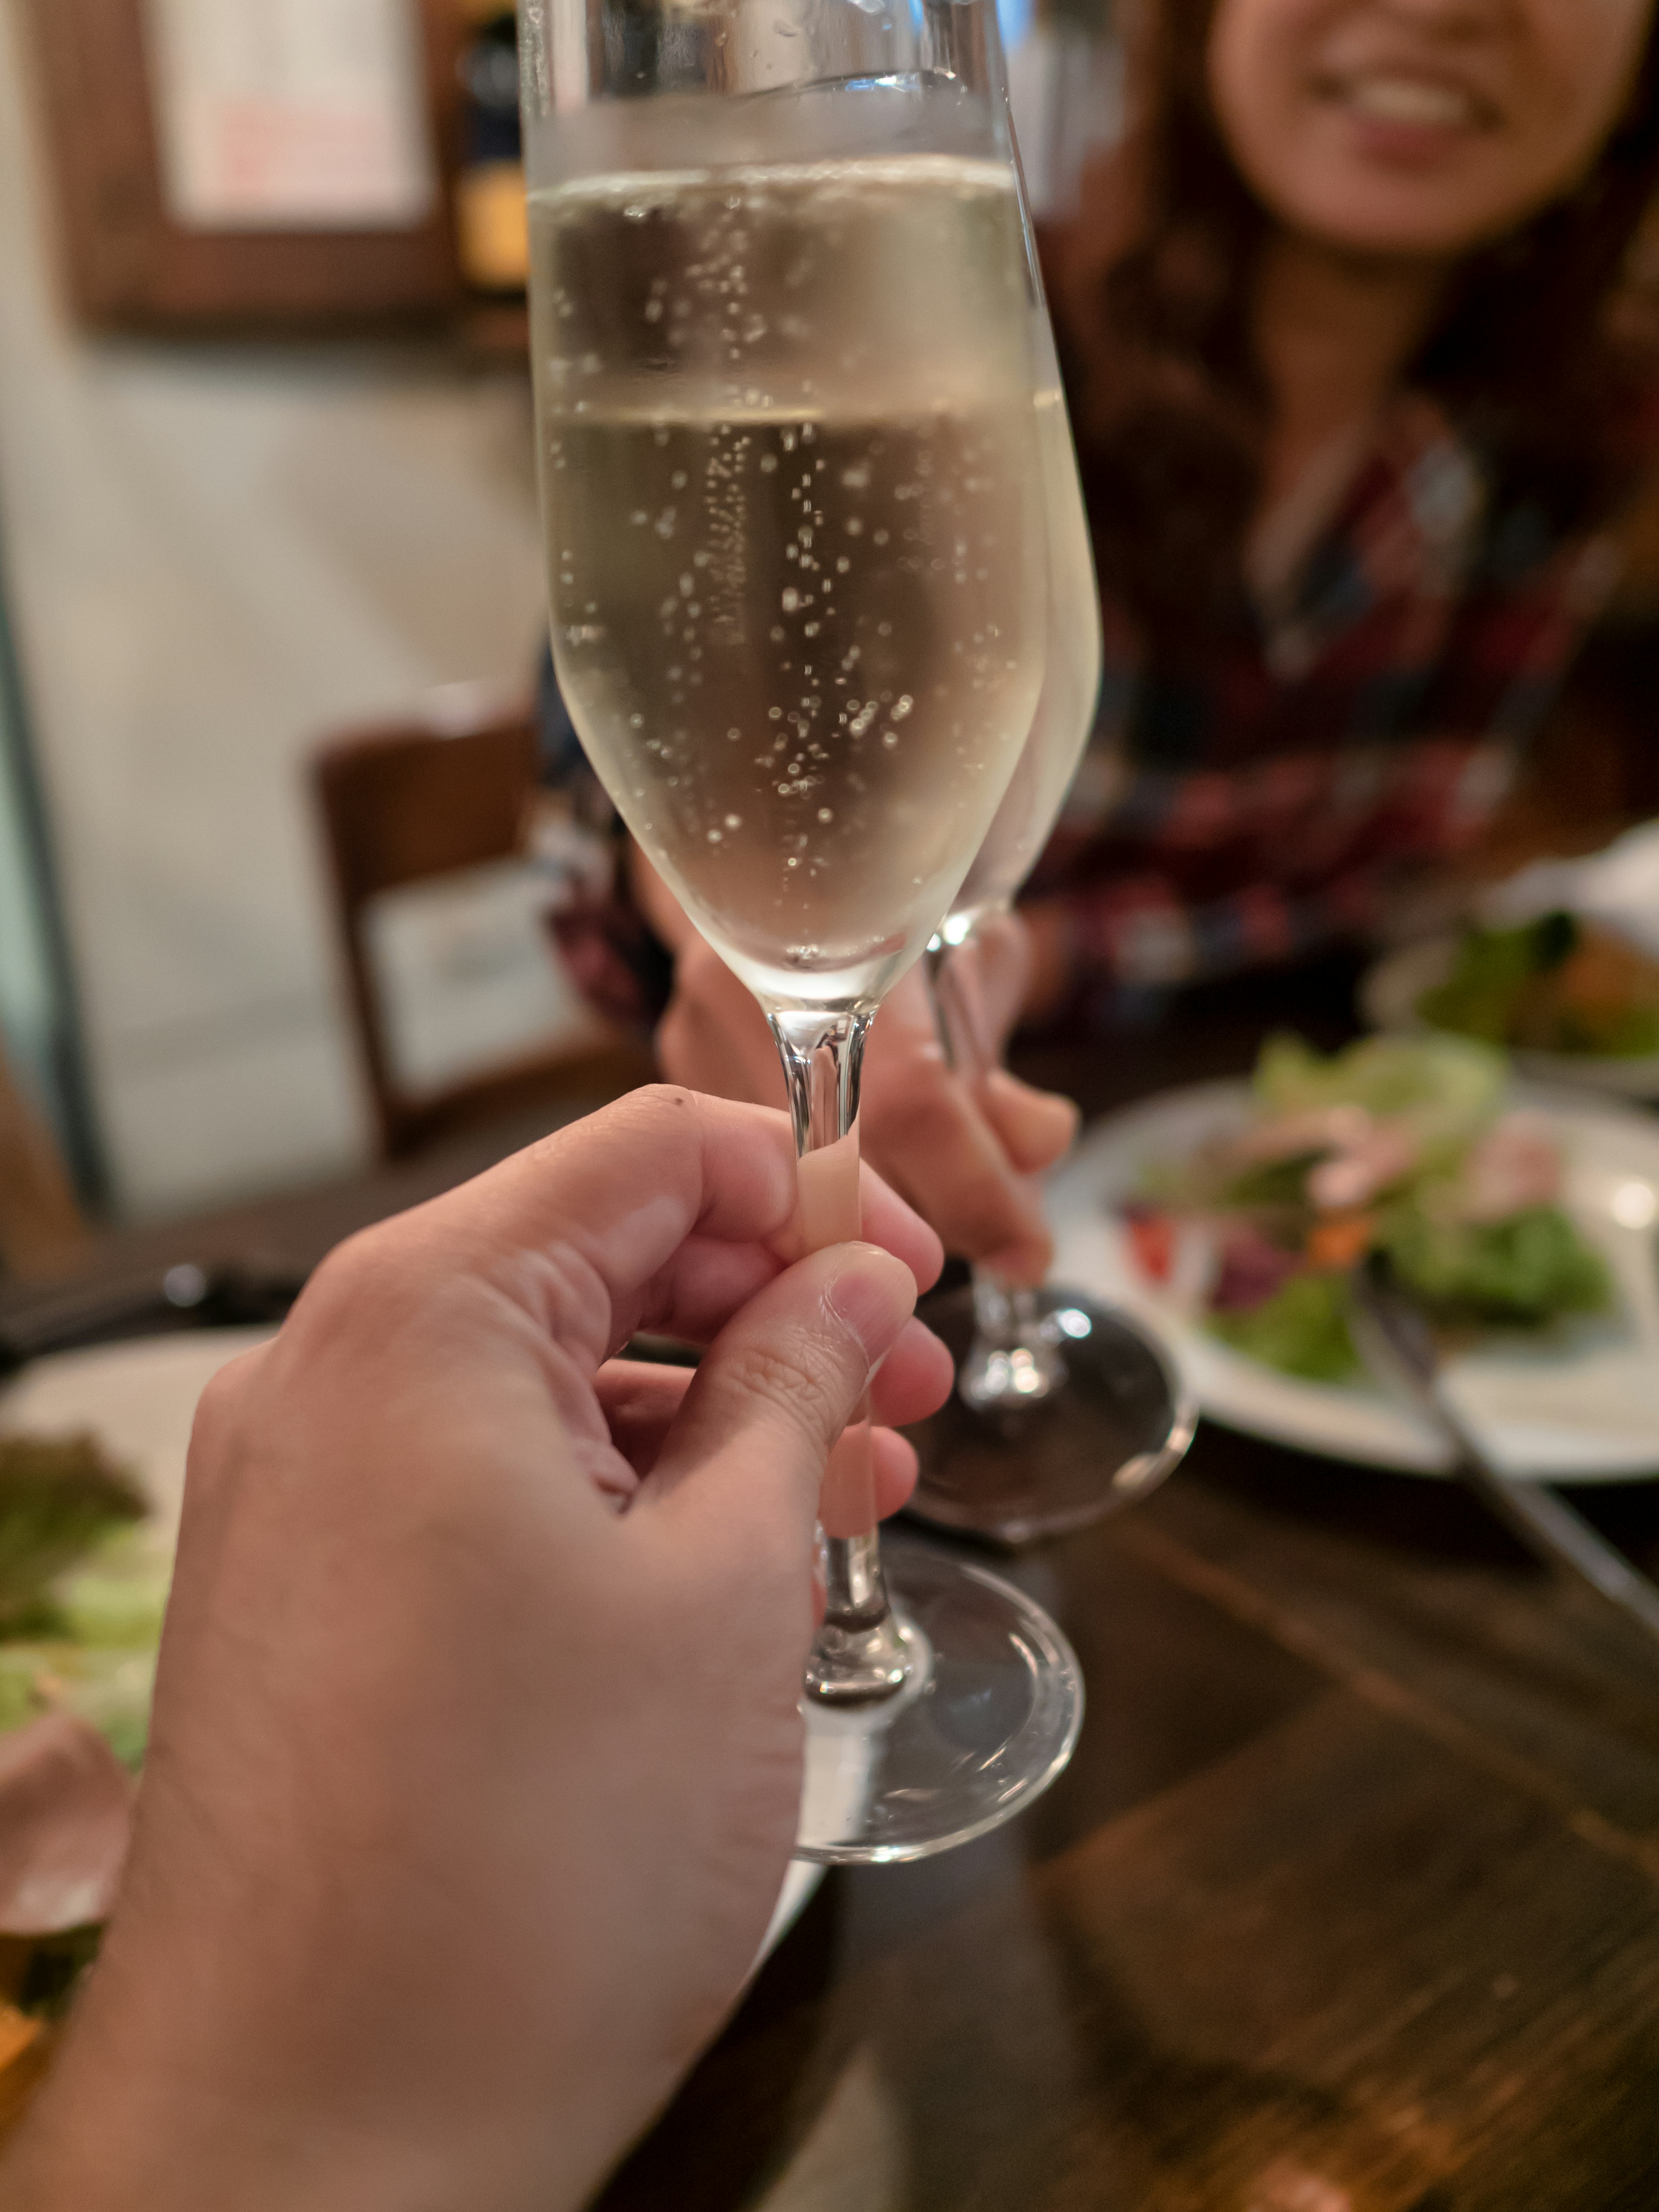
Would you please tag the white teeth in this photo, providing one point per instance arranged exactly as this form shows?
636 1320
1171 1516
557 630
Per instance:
1411 100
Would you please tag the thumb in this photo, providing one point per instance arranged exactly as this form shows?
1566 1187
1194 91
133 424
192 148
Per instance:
779 1384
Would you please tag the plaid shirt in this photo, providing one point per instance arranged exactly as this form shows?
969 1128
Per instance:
1267 804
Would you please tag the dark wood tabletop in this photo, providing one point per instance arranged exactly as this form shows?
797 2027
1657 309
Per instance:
1349 1901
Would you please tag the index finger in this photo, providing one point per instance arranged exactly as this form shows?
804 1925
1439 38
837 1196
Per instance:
628 1186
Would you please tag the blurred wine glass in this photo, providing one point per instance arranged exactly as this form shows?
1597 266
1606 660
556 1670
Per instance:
1064 1411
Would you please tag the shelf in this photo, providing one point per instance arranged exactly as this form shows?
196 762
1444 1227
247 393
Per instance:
495 332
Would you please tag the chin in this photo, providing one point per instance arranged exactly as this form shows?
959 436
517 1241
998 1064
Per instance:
1395 225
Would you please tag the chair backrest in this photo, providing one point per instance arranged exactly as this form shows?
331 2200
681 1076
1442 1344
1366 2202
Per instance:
42 1229
425 823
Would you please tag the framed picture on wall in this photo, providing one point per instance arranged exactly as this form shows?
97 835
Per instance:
279 164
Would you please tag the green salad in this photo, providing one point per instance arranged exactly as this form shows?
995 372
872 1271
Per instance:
1558 985
1396 1145
83 1584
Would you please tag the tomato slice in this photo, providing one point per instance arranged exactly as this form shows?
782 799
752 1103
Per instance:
1340 1242
1152 1240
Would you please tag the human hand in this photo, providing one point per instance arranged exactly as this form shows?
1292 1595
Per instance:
469 1793
962 1153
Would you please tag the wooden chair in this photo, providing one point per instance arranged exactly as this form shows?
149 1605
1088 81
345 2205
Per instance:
411 804
42 1230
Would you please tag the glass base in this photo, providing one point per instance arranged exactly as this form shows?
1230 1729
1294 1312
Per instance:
1112 1432
988 1716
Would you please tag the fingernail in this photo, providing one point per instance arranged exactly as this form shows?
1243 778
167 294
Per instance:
872 1295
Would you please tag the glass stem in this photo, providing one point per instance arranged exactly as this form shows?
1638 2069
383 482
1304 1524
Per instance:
1003 1314
937 967
996 1304
859 1654
1010 1366
963 1047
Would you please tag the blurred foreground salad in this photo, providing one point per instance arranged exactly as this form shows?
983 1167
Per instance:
83 1584
1396 1144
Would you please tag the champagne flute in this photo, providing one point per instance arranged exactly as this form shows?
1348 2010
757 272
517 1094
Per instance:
1012 1363
1064 1411
780 324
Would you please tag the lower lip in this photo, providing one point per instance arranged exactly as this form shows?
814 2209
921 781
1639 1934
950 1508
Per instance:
1410 144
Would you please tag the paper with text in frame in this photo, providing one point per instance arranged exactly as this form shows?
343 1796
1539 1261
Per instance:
291 114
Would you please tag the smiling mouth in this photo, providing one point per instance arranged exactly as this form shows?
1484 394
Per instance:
1412 103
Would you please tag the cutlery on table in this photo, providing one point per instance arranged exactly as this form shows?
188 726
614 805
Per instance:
1395 1339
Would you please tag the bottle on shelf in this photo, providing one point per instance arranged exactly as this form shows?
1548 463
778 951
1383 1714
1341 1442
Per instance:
491 234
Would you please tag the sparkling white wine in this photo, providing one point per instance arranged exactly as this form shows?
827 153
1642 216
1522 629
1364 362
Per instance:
1070 684
796 545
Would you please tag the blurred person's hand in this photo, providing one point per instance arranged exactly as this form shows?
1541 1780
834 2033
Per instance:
476 1757
962 1153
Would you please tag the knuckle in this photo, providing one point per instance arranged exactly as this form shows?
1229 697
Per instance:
658 1116
368 1289
219 1408
665 1100
226 1413
567 1292
345 1272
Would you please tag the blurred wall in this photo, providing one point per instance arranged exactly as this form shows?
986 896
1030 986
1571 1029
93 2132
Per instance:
215 556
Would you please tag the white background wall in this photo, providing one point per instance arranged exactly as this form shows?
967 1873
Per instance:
215 556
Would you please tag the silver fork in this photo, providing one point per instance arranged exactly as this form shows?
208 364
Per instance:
1395 1340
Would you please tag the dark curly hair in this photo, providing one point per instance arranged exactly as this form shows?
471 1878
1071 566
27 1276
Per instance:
1542 353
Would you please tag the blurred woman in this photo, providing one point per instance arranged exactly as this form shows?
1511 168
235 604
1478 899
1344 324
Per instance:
1359 379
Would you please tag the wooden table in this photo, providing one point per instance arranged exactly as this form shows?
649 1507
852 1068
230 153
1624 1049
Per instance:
1349 1901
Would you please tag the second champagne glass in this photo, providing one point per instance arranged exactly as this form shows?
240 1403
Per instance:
779 316
1064 1411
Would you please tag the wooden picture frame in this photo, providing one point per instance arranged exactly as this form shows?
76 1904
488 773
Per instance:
130 266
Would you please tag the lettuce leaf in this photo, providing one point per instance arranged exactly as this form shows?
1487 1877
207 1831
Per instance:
58 1498
1482 995
1447 1088
1303 1329
1528 1268
110 1690
115 1598
82 1590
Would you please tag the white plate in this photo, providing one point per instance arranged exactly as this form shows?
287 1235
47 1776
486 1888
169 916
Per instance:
1579 1406
1390 992
140 1400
